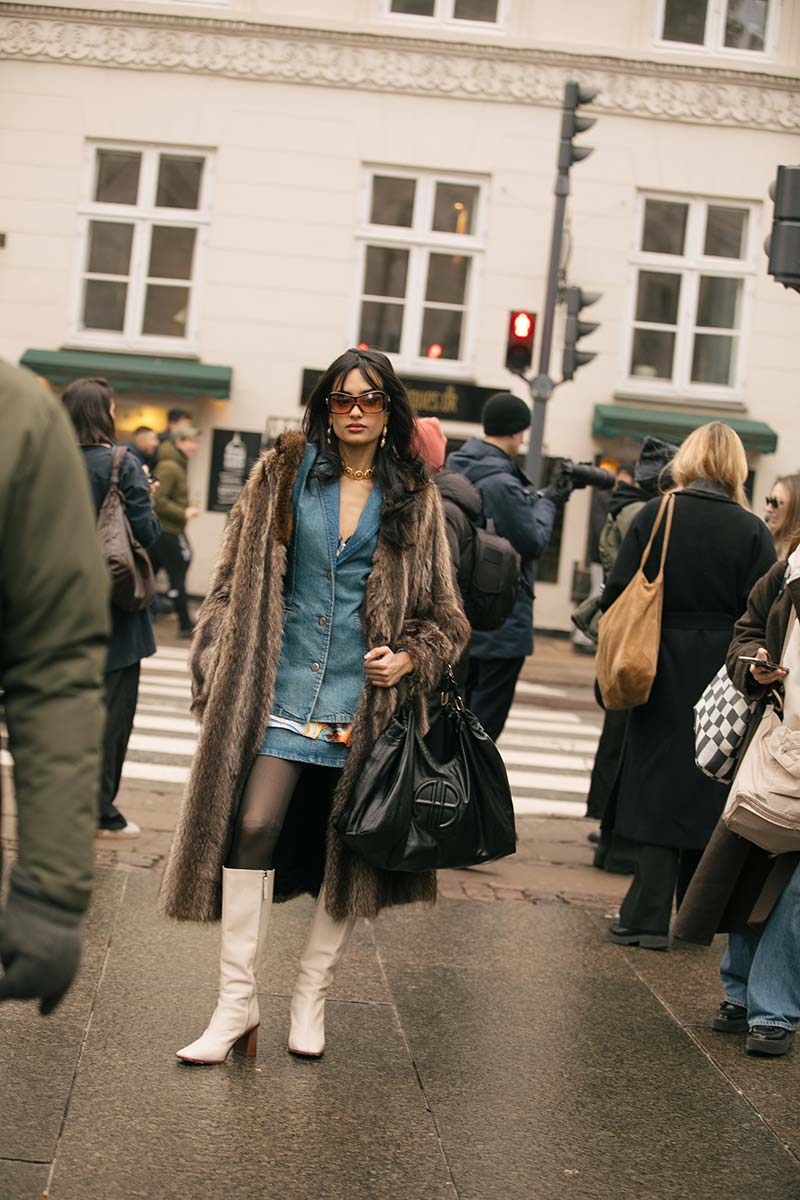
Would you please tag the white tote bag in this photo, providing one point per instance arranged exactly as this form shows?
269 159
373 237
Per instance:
764 802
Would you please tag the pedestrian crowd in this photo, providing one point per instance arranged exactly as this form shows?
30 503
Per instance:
366 577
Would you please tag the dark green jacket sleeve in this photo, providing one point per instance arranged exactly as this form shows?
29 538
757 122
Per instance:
54 616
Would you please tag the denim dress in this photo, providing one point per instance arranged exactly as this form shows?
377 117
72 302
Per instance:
321 668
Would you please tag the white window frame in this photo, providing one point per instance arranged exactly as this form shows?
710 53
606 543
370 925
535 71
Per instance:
691 265
442 17
421 240
713 43
143 217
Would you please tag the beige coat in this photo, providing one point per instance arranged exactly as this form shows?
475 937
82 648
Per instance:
409 601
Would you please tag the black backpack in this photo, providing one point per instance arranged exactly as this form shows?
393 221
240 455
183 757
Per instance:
493 581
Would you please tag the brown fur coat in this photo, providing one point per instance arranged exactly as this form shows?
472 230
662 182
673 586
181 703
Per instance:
409 600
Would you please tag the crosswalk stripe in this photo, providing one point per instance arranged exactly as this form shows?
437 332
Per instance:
548 751
176 666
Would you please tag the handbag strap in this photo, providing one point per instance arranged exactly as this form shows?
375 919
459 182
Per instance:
668 507
117 458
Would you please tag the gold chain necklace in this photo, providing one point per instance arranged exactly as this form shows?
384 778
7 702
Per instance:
351 474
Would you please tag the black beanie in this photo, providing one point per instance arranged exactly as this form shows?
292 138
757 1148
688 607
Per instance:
654 457
504 415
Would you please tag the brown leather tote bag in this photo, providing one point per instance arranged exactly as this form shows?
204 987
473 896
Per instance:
630 631
133 584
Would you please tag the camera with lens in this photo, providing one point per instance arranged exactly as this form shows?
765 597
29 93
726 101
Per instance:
567 475
583 475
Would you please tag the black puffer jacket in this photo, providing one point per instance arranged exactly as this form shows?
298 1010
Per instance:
462 508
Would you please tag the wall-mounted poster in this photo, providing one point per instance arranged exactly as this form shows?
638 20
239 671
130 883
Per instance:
233 453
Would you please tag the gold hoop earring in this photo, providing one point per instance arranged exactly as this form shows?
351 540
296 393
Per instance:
330 427
383 436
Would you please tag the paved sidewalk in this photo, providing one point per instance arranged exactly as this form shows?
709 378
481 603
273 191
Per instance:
475 1052
481 1050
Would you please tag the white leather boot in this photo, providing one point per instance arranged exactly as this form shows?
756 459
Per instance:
246 904
326 945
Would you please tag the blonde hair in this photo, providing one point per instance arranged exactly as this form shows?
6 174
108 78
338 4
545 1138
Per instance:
713 452
788 536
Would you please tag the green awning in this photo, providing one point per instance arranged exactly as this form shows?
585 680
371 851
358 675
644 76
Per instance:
133 372
617 420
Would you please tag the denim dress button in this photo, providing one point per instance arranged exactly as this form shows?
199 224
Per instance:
315 666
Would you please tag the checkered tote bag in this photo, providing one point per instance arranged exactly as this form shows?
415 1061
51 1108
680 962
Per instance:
721 717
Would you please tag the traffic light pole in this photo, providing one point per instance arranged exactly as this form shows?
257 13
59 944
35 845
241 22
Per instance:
541 386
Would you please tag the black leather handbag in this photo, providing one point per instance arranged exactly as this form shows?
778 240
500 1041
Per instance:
426 803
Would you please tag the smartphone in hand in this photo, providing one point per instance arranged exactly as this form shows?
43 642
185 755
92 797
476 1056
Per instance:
766 663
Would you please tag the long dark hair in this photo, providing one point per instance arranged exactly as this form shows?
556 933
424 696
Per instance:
399 470
88 402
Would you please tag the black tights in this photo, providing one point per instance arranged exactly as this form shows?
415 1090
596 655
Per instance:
267 795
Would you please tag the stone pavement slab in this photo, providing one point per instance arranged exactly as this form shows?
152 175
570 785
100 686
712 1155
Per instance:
553 1072
142 1124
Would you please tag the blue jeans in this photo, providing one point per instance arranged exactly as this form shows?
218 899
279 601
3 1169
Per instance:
761 972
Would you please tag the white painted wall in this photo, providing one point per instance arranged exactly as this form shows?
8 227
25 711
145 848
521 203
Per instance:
279 281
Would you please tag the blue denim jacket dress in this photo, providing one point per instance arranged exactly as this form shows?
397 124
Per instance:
321 668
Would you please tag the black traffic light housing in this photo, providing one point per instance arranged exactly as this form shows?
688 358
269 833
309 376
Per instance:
783 243
519 346
577 300
571 123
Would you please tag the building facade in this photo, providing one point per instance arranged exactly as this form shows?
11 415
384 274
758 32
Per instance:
207 202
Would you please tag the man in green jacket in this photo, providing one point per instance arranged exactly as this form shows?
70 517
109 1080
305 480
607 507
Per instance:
172 550
54 618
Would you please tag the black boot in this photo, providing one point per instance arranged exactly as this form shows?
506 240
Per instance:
772 1040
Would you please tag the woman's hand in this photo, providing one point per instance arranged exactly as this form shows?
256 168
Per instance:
761 675
385 668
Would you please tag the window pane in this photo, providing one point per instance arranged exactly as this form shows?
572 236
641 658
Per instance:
381 325
455 208
685 21
392 201
109 248
441 333
179 181
475 10
386 272
657 297
664 226
746 24
718 302
712 358
117 177
104 304
165 310
725 228
415 8
171 252
653 350
447 278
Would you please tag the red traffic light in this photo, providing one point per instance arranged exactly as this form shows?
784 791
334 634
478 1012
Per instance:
519 347
523 325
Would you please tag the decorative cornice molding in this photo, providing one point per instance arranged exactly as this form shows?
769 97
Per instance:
427 67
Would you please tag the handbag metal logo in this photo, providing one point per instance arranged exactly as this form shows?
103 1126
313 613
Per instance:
436 804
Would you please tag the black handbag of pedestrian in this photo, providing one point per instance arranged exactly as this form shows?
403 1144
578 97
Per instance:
422 804
133 584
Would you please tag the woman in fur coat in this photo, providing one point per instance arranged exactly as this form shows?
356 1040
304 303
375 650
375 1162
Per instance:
332 602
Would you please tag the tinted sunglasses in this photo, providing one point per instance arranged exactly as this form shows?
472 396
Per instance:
341 403
772 502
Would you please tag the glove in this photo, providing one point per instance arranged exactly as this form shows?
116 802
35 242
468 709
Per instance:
559 489
40 947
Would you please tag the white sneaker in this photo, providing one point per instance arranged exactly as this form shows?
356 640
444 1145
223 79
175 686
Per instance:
129 830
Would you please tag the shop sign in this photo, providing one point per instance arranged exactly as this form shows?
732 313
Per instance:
233 453
448 399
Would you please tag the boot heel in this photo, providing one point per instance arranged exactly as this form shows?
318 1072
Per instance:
246 1044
